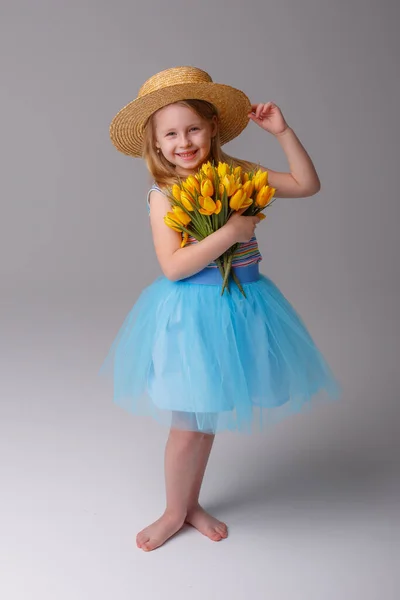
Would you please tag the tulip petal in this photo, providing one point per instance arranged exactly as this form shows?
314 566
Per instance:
176 191
185 238
172 223
207 188
222 169
186 202
192 183
207 203
237 200
180 214
218 207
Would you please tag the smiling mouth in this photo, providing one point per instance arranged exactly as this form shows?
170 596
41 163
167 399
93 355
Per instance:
187 154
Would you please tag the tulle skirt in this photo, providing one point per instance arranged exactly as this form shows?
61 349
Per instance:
196 360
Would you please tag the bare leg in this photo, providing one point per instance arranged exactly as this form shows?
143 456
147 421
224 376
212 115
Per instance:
196 515
203 456
181 459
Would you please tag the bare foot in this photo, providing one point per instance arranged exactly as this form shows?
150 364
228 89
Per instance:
159 532
206 524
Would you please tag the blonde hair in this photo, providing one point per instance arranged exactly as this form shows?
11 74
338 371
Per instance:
162 171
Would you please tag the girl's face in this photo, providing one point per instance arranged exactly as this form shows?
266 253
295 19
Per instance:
183 137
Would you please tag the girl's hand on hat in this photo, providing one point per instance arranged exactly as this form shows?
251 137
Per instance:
242 228
269 117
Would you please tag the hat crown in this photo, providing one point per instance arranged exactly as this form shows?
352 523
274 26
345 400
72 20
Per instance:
174 76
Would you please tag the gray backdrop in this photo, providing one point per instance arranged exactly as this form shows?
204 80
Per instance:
312 505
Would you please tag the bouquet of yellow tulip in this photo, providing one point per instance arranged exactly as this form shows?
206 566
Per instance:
203 203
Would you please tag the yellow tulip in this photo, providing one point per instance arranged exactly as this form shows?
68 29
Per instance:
265 196
237 172
180 215
185 238
221 189
191 185
176 191
231 185
205 167
248 187
218 207
261 216
240 200
222 169
245 177
260 179
208 170
187 201
172 222
208 205
207 188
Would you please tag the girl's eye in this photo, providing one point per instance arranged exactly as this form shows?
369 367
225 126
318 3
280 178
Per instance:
170 133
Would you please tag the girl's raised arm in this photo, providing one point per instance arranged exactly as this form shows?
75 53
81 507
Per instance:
302 180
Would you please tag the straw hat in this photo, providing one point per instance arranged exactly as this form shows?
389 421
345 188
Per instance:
172 85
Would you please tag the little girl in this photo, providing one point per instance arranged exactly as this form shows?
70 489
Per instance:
186 355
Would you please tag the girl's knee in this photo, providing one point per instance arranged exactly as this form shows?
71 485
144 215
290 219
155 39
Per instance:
186 435
186 441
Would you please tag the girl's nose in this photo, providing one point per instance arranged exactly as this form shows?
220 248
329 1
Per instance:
185 141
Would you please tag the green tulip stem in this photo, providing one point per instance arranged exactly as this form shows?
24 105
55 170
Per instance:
236 280
221 268
227 271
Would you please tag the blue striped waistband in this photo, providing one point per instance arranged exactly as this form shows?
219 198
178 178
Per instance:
212 276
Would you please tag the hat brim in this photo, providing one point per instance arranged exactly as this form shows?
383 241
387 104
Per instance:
233 106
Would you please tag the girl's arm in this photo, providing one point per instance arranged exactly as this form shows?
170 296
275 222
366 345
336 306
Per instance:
302 180
178 263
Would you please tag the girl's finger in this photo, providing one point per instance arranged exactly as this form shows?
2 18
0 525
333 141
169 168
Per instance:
259 110
253 113
260 106
240 211
266 109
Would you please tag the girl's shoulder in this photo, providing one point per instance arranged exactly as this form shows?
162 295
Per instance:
154 188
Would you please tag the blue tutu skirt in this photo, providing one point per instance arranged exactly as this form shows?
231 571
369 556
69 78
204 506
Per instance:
196 360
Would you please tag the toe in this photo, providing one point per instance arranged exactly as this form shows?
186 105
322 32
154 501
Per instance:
216 536
151 544
141 539
222 530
